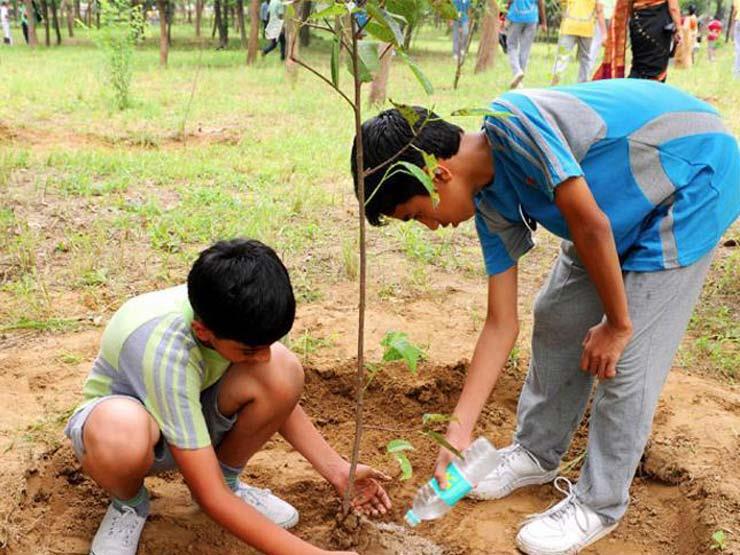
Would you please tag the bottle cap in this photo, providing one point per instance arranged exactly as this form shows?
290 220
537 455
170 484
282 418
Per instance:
411 518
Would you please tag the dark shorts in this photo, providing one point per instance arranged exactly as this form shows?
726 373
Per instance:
217 423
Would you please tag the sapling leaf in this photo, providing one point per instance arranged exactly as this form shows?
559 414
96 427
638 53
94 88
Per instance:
436 418
425 82
403 8
430 163
397 445
385 20
409 114
398 347
480 112
415 171
442 440
445 8
368 60
403 461
335 60
379 31
332 11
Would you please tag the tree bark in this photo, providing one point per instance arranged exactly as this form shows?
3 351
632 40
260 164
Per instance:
78 13
45 14
70 18
254 31
380 83
305 32
488 38
240 19
169 16
292 44
198 16
164 44
55 20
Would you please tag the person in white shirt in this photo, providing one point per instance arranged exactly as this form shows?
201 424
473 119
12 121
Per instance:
5 22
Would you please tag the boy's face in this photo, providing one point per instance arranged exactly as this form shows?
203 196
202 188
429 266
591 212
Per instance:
454 207
233 351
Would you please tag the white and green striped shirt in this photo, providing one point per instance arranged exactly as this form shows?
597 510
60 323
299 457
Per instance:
149 352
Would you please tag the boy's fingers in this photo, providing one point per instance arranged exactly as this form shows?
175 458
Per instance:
378 475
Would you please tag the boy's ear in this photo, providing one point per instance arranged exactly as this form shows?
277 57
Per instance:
442 174
201 331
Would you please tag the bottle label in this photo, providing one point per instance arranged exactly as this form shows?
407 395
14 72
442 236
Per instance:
457 486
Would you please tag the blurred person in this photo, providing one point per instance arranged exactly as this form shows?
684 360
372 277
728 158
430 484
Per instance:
714 33
5 22
275 30
599 38
460 28
264 16
521 21
577 29
684 58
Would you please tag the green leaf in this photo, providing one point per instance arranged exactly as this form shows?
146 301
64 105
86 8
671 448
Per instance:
425 82
445 8
408 113
484 112
384 19
436 418
398 347
414 171
378 31
403 461
330 12
430 162
442 440
335 50
398 445
368 60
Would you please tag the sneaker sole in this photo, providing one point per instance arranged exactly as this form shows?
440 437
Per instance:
520 483
289 523
529 550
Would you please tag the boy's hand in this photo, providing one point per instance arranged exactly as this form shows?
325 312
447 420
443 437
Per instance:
457 438
602 348
369 496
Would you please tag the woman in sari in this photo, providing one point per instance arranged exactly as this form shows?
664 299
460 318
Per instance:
653 27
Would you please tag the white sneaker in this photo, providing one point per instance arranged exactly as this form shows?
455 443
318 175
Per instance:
517 80
280 512
118 533
517 469
564 529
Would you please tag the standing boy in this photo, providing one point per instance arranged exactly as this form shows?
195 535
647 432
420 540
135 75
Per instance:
194 378
521 26
5 22
577 28
460 28
640 180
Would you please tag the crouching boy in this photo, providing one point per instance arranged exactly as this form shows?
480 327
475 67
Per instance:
640 180
193 378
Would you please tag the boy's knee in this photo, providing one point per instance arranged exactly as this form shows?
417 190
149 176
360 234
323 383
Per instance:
285 383
119 435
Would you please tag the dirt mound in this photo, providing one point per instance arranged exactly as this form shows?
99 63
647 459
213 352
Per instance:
688 487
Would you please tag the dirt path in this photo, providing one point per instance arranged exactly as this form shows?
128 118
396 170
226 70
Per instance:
688 485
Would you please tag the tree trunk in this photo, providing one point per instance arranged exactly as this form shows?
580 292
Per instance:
305 32
70 18
488 39
380 83
31 16
225 23
240 19
198 16
221 22
254 31
55 20
292 45
169 16
45 14
97 14
164 44
78 13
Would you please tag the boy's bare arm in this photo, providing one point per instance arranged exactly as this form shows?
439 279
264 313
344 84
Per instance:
594 241
203 476
496 340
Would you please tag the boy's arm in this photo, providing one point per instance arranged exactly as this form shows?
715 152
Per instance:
203 476
600 18
543 15
496 340
594 241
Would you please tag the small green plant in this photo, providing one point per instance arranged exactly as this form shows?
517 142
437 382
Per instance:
350 260
719 541
116 38
67 357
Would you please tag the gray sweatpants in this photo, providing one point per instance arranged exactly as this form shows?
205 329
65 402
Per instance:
519 39
556 391
566 43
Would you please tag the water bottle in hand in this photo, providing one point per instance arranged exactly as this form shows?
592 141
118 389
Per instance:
431 502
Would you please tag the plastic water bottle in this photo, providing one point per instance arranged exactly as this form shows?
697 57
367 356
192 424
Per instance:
431 502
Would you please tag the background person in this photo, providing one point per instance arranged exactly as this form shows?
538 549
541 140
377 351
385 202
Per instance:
599 37
714 33
5 22
275 30
577 29
521 26
460 28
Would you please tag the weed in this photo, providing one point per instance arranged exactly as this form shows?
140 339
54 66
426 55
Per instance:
350 259
70 358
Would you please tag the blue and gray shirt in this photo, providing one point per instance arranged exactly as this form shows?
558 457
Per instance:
659 162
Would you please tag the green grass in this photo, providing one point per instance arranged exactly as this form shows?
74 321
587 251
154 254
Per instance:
100 204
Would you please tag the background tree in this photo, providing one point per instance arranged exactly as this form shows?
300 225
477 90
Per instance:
254 31
31 17
488 38
164 43
240 22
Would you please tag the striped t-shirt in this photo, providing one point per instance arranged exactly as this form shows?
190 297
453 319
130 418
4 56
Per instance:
659 162
149 352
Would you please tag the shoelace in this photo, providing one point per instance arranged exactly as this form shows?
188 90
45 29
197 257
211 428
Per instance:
255 496
560 511
124 523
506 459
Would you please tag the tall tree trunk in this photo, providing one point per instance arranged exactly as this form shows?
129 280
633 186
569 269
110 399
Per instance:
198 16
380 84
88 14
488 38
305 32
70 18
254 31
221 22
97 14
55 20
225 23
240 20
164 44
78 13
292 45
45 14
170 15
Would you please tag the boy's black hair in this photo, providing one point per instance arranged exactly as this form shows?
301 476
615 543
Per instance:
383 137
240 290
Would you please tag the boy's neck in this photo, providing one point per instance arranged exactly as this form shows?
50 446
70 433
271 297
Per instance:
473 163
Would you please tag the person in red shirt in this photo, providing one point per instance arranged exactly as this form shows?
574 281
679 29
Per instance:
714 31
